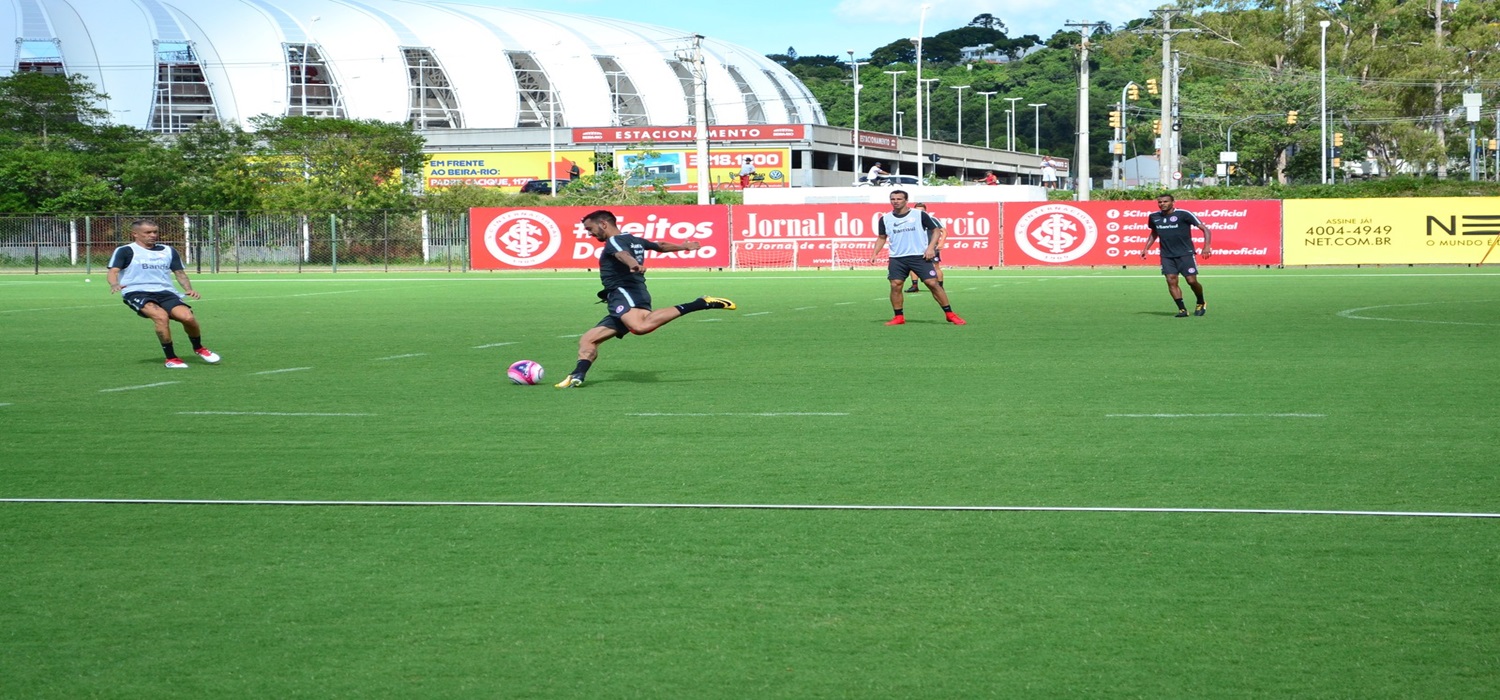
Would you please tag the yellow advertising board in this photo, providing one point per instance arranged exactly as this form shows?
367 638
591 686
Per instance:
506 171
1436 230
677 169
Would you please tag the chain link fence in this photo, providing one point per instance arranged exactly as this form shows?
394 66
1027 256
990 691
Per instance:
245 241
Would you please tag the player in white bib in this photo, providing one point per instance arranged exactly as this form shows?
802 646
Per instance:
142 273
913 246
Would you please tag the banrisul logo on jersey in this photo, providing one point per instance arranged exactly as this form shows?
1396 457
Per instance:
1053 233
522 238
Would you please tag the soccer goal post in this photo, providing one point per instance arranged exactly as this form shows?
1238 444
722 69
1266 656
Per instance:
803 254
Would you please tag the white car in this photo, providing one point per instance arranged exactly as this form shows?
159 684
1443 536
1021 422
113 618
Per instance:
887 181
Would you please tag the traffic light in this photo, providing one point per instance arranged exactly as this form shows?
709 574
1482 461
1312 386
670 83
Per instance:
1291 117
1151 85
1494 145
1338 138
1338 162
1117 147
1156 126
1114 118
1231 169
1133 91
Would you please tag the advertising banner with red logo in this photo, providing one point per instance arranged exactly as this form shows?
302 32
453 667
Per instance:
847 231
1245 232
677 170
551 238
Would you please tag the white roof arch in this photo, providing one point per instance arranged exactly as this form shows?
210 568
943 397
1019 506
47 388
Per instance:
235 59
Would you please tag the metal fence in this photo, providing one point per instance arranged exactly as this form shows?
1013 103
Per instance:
245 241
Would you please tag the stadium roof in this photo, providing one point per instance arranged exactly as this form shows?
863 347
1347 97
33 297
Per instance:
167 65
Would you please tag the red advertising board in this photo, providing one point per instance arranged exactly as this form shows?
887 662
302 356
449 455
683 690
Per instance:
678 134
1245 232
550 238
972 241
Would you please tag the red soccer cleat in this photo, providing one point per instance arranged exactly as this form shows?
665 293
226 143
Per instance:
896 321
954 319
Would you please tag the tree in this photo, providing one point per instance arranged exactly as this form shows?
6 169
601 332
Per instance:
988 21
315 164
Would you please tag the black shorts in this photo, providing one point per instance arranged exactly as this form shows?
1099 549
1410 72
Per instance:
899 268
1181 265
166 300
622 299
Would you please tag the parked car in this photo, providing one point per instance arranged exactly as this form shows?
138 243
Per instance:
887 181
543 186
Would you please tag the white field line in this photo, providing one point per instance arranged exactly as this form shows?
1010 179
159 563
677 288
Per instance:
1354 313
845 303
54 308
759 506
492 345
6 404
138 386
709 320
757 415
266 413
804 308
399 357
279 371
293 296
1216 415
575 335
758 313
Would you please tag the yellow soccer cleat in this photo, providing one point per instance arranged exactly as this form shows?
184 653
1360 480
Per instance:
719 303
569 382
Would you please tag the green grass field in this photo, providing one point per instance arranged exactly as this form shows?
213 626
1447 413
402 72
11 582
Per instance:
1301 390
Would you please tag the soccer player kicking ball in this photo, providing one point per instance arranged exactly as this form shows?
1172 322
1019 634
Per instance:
1174 228
142 272
622 269
913 249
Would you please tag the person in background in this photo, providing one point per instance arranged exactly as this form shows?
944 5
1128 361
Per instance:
747 171
941 233
913 246
877 175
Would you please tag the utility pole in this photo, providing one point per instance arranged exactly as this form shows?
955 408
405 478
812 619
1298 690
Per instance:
700 116
1169 128
1081 159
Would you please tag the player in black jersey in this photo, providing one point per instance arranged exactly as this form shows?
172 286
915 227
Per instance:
1174 228
622 269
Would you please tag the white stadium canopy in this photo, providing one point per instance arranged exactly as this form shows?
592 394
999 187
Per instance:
167 65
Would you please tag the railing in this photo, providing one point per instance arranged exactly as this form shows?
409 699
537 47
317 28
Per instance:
245 241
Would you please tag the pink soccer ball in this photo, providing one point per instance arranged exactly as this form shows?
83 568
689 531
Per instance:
525 372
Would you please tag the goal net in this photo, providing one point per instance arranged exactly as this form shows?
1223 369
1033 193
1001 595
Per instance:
804 254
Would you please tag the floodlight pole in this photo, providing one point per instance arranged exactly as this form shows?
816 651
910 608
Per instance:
921 29
987 96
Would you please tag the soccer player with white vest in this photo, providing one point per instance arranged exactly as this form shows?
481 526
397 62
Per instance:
142 273
1173 227
913 249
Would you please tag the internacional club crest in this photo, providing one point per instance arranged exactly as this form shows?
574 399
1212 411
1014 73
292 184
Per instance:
523 238
1056 233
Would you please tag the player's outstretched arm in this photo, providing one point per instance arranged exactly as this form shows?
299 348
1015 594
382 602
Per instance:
1149 240
1207 239
674 248
879 243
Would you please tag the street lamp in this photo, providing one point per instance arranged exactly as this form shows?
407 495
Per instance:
857 88
921 29
986 116
1036 134
927 109
1323 94
552 137
960 89
421 94
893 74
1011 144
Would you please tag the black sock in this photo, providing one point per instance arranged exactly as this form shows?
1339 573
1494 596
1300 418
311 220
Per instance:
1200 299
582 368
1180 304
169 350
695 305
197 342
947 309
900 313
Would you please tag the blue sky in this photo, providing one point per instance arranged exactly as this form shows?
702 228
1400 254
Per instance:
832 27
